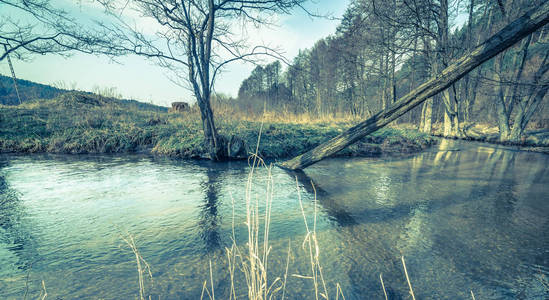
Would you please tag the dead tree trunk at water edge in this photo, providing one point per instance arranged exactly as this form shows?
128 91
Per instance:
505 38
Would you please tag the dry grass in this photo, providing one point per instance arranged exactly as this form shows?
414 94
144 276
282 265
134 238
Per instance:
253 259
43 292
408 279
143 267
286 117
67 125
383 287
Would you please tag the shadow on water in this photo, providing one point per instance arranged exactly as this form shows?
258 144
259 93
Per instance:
333 210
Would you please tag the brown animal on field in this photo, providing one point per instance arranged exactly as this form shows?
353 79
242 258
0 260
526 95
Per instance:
179 107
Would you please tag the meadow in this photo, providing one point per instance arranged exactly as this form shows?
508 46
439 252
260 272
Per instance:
80 123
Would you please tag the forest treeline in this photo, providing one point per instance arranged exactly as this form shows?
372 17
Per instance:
383 49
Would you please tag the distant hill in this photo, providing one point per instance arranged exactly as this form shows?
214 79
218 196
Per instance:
143 105
32 91
28 90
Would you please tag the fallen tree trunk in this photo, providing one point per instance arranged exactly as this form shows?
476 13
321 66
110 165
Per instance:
500 41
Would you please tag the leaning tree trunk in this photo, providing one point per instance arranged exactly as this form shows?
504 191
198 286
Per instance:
502 40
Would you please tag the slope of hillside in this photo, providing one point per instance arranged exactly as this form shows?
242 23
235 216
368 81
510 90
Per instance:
28 90
31 91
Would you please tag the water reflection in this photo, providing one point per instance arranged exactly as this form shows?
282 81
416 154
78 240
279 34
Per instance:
210 219
466 217
462 215
16 240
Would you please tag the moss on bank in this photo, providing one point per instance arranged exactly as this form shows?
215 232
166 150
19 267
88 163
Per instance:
74 123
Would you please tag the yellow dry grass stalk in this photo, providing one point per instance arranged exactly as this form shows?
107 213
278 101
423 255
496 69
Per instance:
142 267
310 243
43 292
408 279
383 286
253 260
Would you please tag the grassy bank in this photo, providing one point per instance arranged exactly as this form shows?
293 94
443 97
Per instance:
75 124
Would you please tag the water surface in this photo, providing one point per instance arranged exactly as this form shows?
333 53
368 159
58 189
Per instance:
466 216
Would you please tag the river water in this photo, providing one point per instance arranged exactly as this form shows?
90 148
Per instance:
466 217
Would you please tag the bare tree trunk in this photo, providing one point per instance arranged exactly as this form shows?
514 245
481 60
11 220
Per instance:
472 95
505 102
211 139
393 46
383 69
393 82
451 112
422 118
524 115
318 103
502 115
427 111
528 106
466 82
427 115
199 54
505 38
448 113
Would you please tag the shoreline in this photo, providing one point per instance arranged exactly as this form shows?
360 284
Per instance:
393 145
524 146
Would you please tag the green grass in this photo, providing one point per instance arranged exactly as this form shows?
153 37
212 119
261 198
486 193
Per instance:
92 124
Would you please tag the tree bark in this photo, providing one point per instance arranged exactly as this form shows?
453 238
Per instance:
427 116
451 111
529 104
505 103
505 38
427 110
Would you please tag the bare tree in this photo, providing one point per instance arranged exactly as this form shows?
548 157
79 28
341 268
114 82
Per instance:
193 38
30 27
519 79
517 99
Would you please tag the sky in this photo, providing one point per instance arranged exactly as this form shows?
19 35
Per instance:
138 78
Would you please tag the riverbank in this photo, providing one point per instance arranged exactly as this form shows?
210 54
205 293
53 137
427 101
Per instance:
83 123
533 139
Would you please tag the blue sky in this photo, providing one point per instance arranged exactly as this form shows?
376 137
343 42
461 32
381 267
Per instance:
137 78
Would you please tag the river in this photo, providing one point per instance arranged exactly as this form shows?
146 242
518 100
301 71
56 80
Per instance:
466 217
